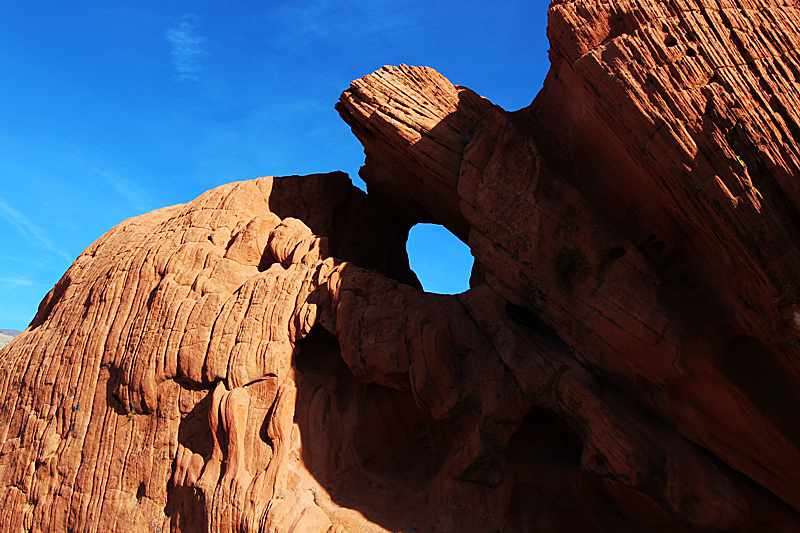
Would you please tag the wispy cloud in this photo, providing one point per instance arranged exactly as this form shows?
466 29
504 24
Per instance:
98 163
127 189
29 230
342 20
16 282
186 48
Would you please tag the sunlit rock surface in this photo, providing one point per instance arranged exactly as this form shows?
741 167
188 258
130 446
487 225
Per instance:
626 359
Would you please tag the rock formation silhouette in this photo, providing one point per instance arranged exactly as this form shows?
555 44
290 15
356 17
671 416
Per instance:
626 359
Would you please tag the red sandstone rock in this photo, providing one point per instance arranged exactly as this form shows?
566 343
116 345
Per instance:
263 358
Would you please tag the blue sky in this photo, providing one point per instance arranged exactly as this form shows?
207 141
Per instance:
112 109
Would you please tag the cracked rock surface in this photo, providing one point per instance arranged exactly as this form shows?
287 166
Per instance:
263 359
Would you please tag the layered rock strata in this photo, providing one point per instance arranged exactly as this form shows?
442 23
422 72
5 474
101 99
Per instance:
626 359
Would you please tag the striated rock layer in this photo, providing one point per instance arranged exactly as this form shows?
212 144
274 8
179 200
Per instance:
626 359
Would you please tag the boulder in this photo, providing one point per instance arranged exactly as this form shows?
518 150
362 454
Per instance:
626 358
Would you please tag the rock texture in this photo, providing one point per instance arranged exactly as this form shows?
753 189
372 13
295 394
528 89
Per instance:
626 359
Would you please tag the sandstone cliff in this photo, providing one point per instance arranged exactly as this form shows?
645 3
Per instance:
626 359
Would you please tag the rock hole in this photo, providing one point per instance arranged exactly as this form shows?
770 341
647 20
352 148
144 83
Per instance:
140 492
669 40
616 252
530 322
616 27
319 354
440 260
691 52
659 246
266 260
651 237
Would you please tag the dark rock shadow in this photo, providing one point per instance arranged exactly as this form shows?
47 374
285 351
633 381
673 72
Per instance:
368 231
372 448
186 505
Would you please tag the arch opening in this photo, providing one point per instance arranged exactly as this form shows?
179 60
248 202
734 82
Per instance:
440 260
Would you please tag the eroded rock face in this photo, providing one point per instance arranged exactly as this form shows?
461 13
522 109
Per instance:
626 359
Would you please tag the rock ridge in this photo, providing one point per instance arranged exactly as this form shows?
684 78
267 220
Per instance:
263 358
